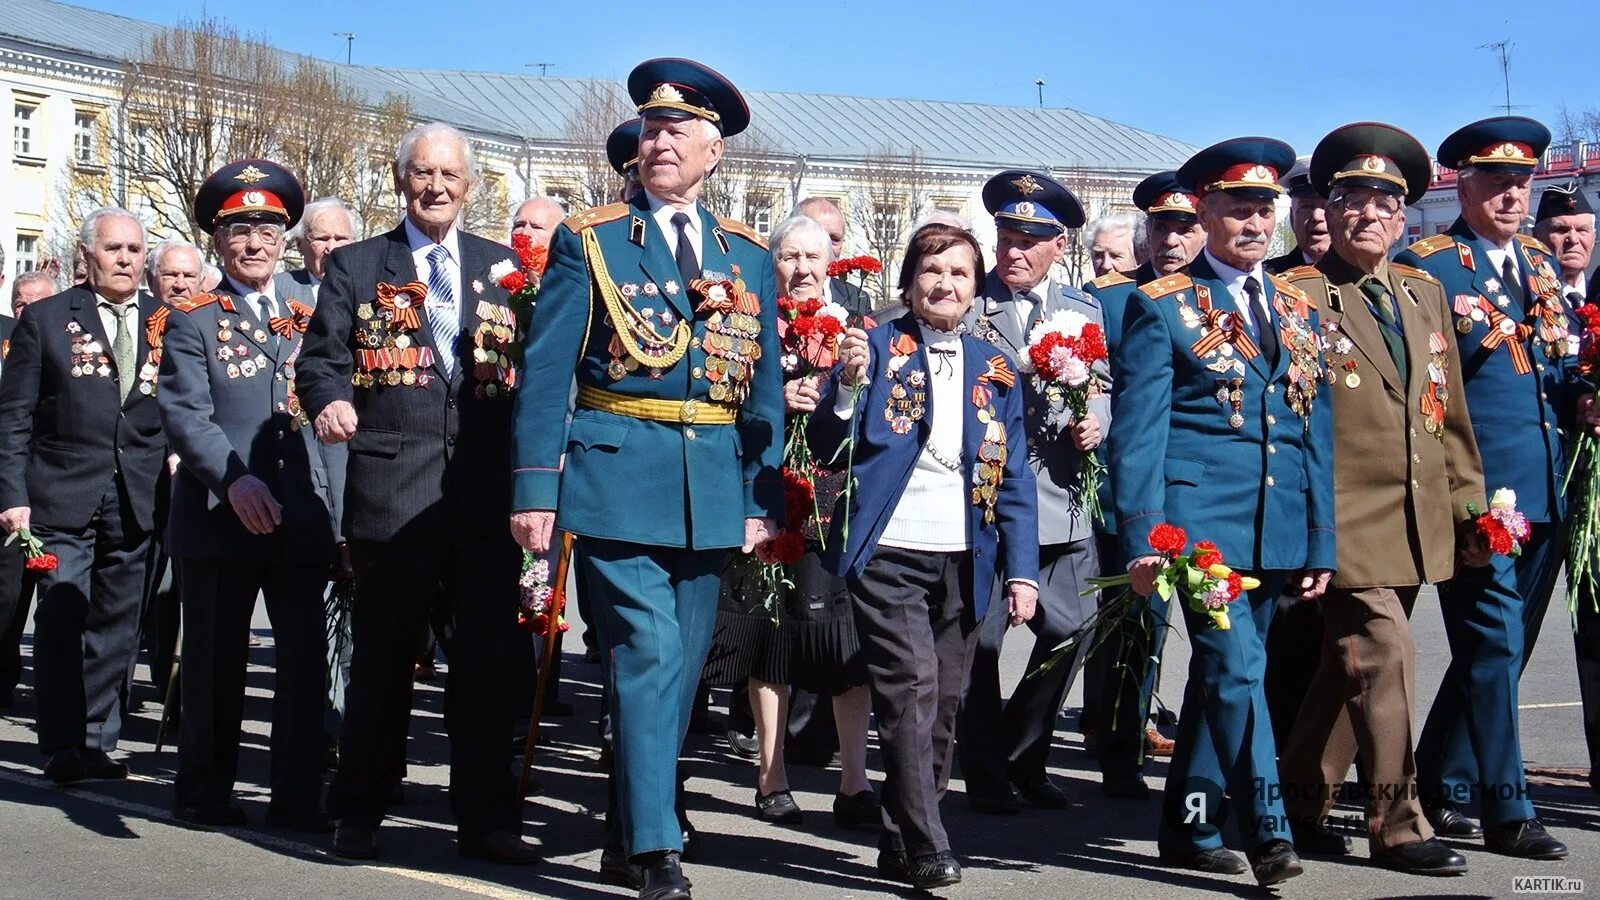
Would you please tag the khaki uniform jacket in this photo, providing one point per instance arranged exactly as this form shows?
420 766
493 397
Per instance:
1406 463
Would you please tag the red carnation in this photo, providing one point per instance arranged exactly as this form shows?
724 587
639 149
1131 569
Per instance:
1206 555
1168 540
44 562
1235 585
514 281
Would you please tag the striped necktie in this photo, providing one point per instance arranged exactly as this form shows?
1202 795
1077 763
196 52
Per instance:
441 308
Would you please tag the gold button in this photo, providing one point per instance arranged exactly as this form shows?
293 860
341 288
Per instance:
1030 442
697 372
1271 449
1272 420
1414 484
1539 366
688 434
1270 481
1416 457
1272 389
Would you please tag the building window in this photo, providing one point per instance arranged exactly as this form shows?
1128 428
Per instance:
27 253
758 211
887 217
141 148
85 138
22 129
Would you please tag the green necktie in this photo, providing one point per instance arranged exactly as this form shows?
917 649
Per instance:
1382 303
122 349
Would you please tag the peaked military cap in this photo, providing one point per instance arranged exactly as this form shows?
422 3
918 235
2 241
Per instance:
1297 183
1374 155
622 146
1161 196
1032 203
673 88
1244 167
1504 144
252 188
1562 200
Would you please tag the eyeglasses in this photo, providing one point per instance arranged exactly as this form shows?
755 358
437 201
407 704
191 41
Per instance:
1384 206
239 232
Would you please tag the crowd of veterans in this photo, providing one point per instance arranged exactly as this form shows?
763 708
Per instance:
186 439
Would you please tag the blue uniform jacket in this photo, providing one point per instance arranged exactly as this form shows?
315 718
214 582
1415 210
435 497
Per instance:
670 484
1113 290
1516 416
1008 546
1229 450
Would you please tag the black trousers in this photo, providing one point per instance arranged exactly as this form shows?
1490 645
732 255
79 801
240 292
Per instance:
86 628
16 598
475 577
1006 743
1294 649
161 617
914 618
219 597
1587 640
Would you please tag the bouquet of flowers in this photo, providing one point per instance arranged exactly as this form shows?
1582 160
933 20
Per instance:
1062 351
1583 497
1503 527
538 606
1198 574
33 552
522 282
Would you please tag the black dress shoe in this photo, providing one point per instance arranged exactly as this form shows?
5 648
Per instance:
591 655
311 822
65 767
1218 859
557 708
663 877
860 810
1526 839
498 846
1447 823
1040 791
892 865
224 816
933 870
994 804
1126 788
778 808
743 746
96 764
1429 857
1275 861
1321 841
616 869
355 842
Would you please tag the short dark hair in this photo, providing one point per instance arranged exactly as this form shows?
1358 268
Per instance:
931 240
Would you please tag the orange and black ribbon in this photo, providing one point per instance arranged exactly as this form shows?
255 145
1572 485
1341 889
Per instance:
298 318
1515 339
733 300
404 318
1223 328
155 327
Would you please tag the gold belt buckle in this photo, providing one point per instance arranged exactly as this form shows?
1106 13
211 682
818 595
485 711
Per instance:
689 412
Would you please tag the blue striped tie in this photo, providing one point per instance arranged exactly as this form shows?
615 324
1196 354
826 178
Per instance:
441 307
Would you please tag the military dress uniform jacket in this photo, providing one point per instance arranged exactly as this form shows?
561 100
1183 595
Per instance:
629 475
1406 464
1004 545
430 454
1521 387
64 433
1279 265
229 406
1232 450
1112 290
1055 462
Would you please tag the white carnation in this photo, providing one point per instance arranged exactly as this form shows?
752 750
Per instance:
501 269
1504 498
1068 322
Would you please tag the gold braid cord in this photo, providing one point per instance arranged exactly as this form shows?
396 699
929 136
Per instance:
633 329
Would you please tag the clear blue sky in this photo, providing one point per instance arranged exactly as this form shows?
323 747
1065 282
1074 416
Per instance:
1288 70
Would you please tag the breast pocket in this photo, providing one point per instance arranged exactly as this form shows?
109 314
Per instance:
592 434
1185 471
373 442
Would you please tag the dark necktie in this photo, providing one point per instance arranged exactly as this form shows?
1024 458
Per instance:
1574 299
1381 302
688 267
264 303
1508 275
1266 335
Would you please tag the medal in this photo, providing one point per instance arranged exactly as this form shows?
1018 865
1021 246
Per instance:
616 370
1464 326
146 388
1352 380
1236 421
402 341
391 378
409 378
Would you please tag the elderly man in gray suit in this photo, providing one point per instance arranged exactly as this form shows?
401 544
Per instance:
325 226
1006 747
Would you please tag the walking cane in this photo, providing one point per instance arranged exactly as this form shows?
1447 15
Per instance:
171 692
558 605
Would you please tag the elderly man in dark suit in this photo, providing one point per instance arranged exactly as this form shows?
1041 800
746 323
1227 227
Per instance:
251 505
822 211
80 446
388 365
326 225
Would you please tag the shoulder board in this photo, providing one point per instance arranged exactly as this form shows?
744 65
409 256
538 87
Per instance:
1111 278
598 215
1301 272
1170 284
190 304
1533 243
734 226
1429 246
1412 272
1282 284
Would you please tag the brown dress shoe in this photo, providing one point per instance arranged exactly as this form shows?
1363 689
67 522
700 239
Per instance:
1156 743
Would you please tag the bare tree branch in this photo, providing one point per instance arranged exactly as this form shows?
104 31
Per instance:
891 192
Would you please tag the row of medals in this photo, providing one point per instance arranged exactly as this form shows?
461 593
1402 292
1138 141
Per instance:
731 354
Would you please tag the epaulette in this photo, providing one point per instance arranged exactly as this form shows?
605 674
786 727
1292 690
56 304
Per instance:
598 215
1299 272
1109 279
1283 285
1170 284
190 304
1413 272
734 226
1533 243
1429 246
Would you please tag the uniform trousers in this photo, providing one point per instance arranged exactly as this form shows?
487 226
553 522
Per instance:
915 621
1361 700
1294 647
655 607
86 627
16 599
1471 745
1224 742
474 576
1012 742
219 598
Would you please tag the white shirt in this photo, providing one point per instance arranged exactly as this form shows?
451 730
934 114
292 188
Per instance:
108 319
1234 278
253 298
1582 287
662 212
421 245
1498 254
1024 304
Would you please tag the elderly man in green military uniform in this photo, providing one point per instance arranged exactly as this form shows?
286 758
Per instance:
664 315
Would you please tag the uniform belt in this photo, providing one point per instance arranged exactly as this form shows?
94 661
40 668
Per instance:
683 412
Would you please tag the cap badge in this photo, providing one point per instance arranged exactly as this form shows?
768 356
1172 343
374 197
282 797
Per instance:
1027 184
1177 199
666 92
250 175
254 198
1260 174
1025 209
1372 163
1505 151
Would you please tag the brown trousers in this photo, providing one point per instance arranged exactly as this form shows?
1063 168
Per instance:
1362 699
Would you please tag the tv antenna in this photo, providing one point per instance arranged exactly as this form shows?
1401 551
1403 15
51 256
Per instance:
1504 49
1039 83
542 67
349 43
